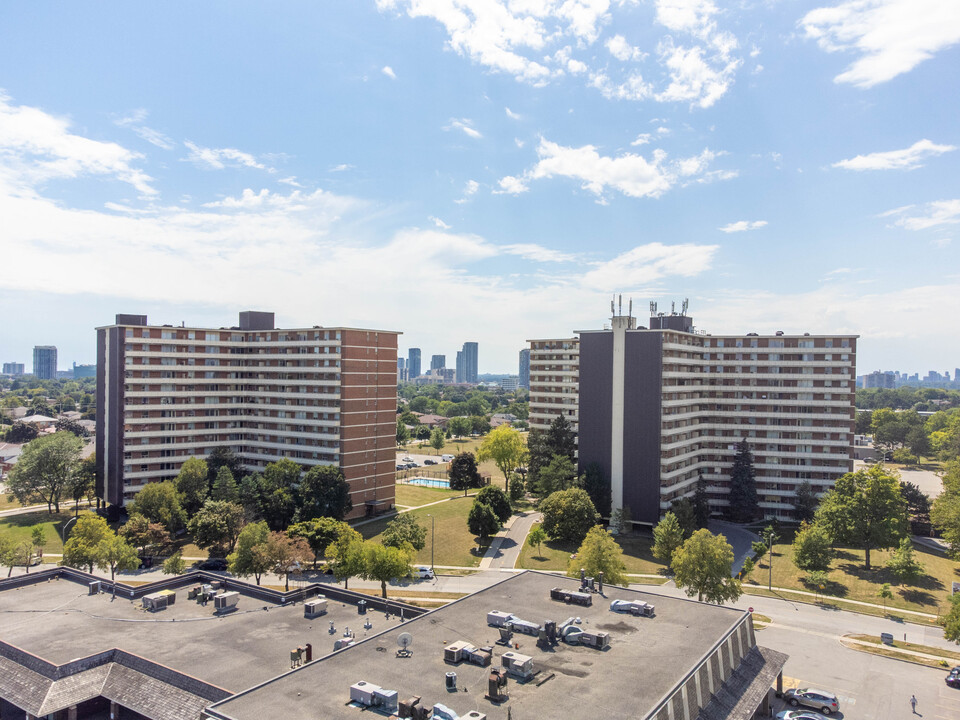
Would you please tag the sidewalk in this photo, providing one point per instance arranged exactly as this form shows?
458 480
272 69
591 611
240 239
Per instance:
822 597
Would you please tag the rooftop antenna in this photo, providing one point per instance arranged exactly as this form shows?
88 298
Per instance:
613 306
686 304
630 308
653 308
673 307
621 305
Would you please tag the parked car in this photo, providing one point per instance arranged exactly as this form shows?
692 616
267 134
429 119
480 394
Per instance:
402 466
429 461
408 459
423 573
818 699
218 564
953 678
799 715
446 458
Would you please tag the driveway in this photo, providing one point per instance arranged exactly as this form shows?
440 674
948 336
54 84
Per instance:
739 538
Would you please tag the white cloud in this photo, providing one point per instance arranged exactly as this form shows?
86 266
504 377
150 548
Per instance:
291 181
438 222
642 139
220 158
694 77
663 130
388 71
633 88
630 174
647 263
908 159
933 214
466 125
622 50
469 190
539 253
743 225
518 142
36 146
941 242
512 115
342 167
890 37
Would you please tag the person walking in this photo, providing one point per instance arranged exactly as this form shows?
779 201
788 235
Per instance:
913 704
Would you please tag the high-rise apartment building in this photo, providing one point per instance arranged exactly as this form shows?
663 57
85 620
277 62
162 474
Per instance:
438 362
413 363
318 396
467 363
658 407
525 368
45 362
13 368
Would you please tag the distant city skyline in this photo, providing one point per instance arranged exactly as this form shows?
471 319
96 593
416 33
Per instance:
499 169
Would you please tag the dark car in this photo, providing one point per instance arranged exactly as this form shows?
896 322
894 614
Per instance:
217 564
428 461
953 679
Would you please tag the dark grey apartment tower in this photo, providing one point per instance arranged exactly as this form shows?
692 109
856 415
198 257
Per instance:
470 362
45 362
438 362
413 363
525 368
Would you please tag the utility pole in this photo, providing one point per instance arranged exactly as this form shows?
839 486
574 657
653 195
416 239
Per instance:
770 538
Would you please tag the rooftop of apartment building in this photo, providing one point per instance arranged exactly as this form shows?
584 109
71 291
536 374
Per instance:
249 320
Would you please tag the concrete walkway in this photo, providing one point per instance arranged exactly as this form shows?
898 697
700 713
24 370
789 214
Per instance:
912 653
504 551
64 507
825 598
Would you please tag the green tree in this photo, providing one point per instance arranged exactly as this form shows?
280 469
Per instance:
38 538
818 579
463 473
21 432
497 500
865 510
918 441
175 564
192 485
597 486
80 550
8 556
438 439
686 515
404 530
945 511
536 538
249 556
319 534
159 502
621 519
216 526
482 520
44 470
903 564
747 568
222 456
702 567
667 537
143 534
346 555
812 549
805 502
284 555
885 593
505 447
225 486
918 504
701 503
559 474
383 563
599 553
23 554
114 553
459 426
278 500
421 432
951 621
403 434
324 492
744 504
568 515
83 482
561 438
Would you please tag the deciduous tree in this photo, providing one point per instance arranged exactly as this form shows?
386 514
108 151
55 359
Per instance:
80 550
667 537
568 515
903 564
383 563
143 534
192 485
686 515
865 510
482 520
217 525
805 502
286 555
159 502
323 492
45 469
403 434
459 426
463 473
114 553
175 564
346 555
438 439
558 474
812 548
497 500
599 553
536 538
945 512
319 534
278 500
505 446
404 530
702 567
250 556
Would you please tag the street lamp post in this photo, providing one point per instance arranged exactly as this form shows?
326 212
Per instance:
770 538
433 526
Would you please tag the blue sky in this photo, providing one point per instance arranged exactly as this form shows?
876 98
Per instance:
490 171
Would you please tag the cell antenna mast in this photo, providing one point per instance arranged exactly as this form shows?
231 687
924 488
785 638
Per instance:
673 307
630 308
620 302
653 309
686 304
613 307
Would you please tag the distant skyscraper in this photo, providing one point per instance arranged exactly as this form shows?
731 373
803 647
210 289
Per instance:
413 363
84 371
525 368
45 362
13 368
438 362
401 363
467 363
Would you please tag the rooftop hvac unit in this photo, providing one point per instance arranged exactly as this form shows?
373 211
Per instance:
516 664
474 715
600 641
156 601
385 699
95 587
343 643
407 706
363 692
524 626
315 607
634 607
498 618
226 600
571 597
442 712
478 656
454 652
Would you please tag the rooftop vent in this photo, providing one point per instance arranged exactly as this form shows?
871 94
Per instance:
498 618
516 664
634 607
778 333
570 597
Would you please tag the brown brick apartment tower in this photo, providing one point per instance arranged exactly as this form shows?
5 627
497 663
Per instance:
318 396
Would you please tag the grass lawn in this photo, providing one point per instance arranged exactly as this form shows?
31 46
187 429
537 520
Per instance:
416 495
848 579
454 447
454 545
19 527
556 555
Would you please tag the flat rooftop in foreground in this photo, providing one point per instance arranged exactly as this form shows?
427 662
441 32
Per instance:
646 659
58 621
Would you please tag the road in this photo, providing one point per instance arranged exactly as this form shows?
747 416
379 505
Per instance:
505 549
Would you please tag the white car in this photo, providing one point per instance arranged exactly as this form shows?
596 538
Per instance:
423 573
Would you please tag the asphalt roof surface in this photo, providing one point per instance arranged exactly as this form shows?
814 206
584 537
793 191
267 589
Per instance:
647 657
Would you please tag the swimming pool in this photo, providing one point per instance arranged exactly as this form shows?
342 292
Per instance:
429 482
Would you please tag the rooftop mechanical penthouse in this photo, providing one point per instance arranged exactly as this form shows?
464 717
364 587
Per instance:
657 407
317 395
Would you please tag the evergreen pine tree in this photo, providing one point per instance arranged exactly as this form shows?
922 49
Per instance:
701 504
744 505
